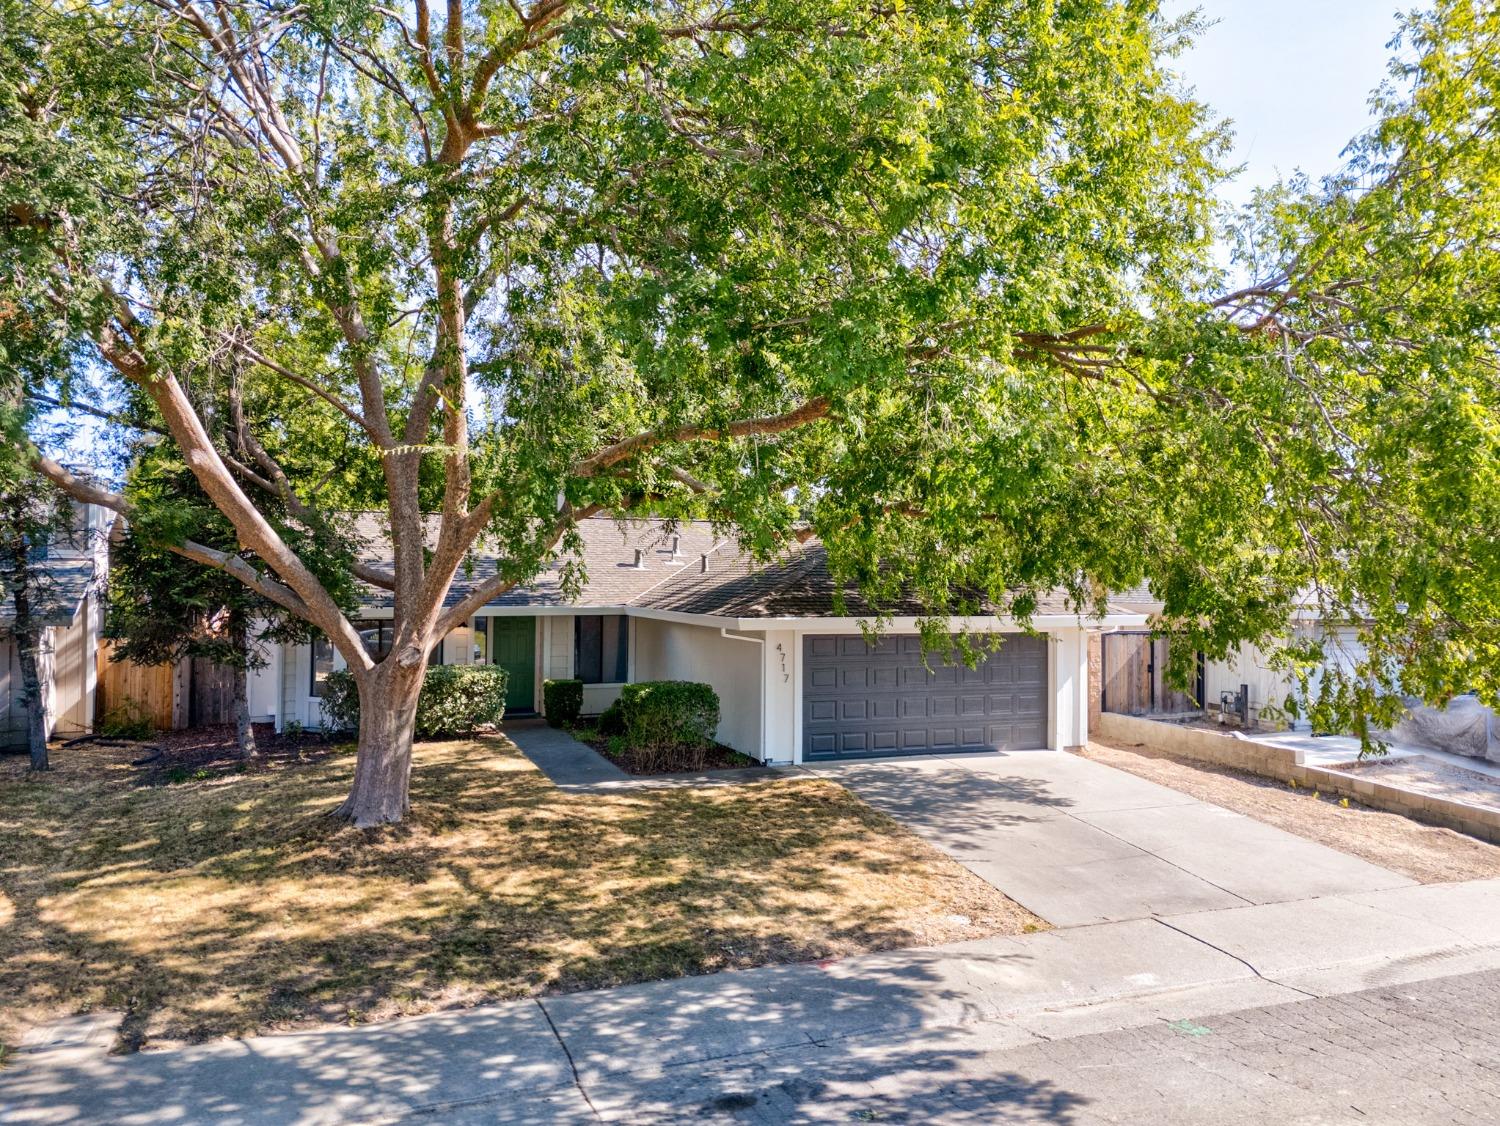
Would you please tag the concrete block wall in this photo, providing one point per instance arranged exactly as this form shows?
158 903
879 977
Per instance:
1287 764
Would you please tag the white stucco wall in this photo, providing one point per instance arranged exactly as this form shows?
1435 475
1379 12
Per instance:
1068 684
732 666
1248 666
1251 666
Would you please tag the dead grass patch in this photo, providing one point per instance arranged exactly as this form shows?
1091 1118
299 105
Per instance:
1426 853
230 904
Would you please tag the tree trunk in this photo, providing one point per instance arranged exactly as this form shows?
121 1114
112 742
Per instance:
244 733
382 767
33 691
28 642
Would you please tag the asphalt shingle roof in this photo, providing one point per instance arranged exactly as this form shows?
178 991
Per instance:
609 560
800 586
59 586
705 575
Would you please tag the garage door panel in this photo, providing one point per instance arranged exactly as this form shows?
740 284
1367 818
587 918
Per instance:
864 700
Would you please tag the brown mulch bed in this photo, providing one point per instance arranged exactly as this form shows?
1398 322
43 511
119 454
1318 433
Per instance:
230 904
717 757
205 753
1426 853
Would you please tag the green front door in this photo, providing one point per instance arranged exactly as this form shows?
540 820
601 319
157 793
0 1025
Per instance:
513 648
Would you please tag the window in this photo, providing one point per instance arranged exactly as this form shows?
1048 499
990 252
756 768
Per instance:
376 633
481 641
322 664
601 648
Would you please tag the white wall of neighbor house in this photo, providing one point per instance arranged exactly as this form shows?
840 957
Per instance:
731 665
67 666
1249 666
263 686
1269 687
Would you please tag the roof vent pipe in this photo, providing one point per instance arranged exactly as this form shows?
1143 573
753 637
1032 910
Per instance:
703 563
676 547
640 560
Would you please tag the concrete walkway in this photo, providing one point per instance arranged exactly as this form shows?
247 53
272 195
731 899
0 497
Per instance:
1079 842
562 758
572 765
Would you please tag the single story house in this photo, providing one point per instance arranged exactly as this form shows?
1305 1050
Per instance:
796 681
67 594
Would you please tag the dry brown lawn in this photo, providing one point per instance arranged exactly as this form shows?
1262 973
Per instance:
1426 853
228 903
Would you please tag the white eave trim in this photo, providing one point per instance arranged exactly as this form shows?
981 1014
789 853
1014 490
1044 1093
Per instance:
906 624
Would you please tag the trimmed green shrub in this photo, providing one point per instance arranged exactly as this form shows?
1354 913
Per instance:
669 714
340 701
612 720
562 700
455 700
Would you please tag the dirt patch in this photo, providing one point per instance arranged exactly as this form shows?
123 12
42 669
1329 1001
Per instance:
1429 776
1424 852
230 904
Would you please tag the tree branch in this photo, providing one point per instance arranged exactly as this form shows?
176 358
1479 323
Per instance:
89 493
810 411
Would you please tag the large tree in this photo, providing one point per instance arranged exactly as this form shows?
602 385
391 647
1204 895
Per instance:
927 279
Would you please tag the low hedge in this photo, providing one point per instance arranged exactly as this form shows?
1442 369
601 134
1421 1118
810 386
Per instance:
562 700
455 700
666 715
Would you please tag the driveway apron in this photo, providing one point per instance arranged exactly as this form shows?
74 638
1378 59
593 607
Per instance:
1079 842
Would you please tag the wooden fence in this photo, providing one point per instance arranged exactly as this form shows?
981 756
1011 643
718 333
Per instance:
191 693
1133 678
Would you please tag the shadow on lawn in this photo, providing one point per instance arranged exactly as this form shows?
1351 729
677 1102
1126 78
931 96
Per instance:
235 904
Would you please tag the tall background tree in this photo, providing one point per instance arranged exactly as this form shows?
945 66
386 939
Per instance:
165 608
36 521
926 279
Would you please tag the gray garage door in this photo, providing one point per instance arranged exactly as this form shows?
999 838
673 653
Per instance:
858 700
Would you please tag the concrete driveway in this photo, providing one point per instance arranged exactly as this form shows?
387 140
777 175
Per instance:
1079 842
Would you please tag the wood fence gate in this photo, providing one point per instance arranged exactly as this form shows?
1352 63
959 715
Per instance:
1133 677
210 693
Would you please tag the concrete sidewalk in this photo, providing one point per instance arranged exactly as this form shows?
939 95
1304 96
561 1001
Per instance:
1079 842
593 1056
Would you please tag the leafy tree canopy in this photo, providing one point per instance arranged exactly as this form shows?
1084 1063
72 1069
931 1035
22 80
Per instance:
930 280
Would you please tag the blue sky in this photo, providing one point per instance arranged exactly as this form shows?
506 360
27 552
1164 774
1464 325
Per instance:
1294 75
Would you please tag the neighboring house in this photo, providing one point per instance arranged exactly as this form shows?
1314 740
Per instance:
795 682
1245 686
69 606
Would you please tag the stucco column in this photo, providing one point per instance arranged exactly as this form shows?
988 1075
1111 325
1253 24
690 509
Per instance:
1070 689
782 684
